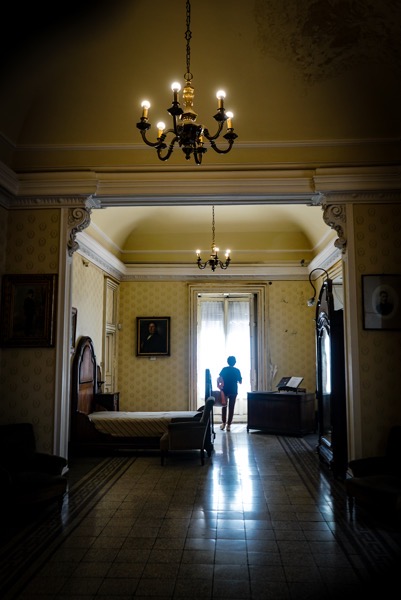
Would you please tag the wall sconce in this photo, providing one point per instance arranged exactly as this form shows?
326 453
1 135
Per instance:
311 301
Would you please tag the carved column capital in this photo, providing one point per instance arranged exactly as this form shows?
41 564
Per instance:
78 220
335 217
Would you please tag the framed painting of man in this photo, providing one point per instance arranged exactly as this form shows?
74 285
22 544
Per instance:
153 336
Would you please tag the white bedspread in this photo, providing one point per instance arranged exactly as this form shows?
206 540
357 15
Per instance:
137 424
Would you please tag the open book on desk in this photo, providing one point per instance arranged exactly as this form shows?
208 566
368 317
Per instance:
290 384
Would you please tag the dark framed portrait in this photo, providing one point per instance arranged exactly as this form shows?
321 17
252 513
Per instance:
28 310
381 301
153 336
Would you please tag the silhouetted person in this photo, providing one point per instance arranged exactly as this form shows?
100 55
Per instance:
231 377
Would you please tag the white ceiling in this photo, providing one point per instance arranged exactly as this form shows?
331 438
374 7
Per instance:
124 226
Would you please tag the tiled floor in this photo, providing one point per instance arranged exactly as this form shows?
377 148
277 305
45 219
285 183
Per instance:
261 520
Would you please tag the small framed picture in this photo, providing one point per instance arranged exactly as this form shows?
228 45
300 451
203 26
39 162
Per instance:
153 336
28 310
381 296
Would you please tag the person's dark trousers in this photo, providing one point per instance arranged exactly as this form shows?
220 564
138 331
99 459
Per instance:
231 405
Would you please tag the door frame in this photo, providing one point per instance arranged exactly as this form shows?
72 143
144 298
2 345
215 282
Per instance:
261 379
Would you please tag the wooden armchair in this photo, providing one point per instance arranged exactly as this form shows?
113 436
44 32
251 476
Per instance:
189 435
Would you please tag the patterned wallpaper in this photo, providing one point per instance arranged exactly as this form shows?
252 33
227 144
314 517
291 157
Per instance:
163 383
160 384
27 374
87 298
378 250
291 332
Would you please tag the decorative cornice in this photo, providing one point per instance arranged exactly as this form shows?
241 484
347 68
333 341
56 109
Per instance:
334 216
39 202
78 220
363 197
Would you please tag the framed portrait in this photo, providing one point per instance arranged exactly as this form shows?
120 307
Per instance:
153 336
74 316
381 296
28 311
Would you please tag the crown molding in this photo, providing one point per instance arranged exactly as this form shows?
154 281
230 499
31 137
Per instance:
251 183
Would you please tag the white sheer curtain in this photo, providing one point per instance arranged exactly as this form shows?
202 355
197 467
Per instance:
238 342
223 330
211 343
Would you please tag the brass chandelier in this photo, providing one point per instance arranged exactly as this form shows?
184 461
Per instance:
186 132
214 260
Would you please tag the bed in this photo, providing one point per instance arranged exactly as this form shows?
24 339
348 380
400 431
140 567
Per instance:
96 429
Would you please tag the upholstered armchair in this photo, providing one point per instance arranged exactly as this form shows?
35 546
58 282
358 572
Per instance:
28 477
189 435
377 479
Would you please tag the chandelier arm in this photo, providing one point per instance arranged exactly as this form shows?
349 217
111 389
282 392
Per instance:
157 144
219 150
169 150
216 135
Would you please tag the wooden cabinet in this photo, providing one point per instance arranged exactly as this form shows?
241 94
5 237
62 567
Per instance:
284 413
108 401
330 383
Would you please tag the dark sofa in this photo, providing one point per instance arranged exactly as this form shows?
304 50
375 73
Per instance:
28 477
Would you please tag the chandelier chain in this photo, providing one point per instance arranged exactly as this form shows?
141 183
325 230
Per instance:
185 132
213 229
214 260
188 36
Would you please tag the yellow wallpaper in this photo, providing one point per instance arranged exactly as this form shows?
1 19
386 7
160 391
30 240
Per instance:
27 374
291 332
163 383
87 298
378 250
160 384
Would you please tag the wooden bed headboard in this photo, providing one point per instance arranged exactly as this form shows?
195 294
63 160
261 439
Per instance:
84 378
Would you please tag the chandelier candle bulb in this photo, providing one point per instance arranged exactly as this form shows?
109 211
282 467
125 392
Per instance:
176 88
220 96
160 128
230 116
145 108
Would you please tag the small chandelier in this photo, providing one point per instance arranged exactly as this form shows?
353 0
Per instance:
189 135
214 260
311 301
